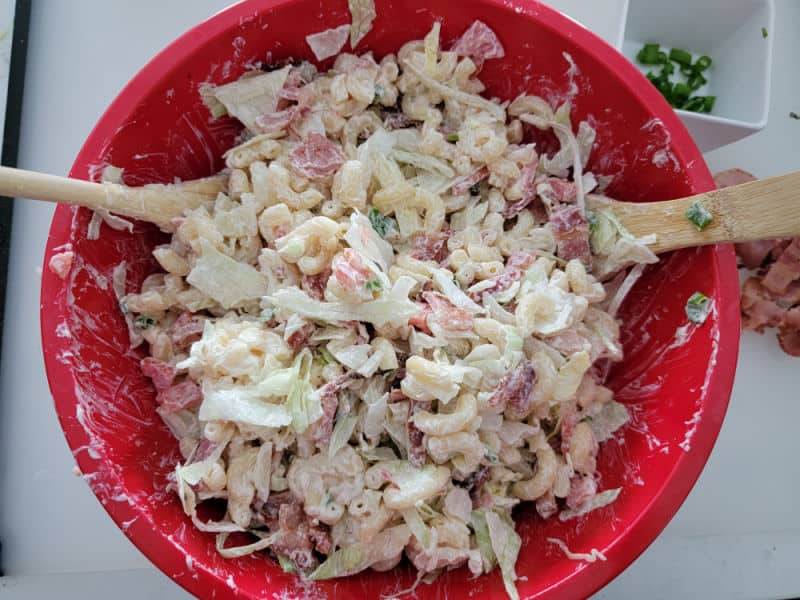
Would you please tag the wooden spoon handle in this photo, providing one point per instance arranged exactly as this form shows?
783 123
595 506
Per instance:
759 210
156 203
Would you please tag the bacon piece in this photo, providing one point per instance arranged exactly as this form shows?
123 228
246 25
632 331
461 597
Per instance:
515 391
320 535
416 438
397 396
569 418
789 332
420 320
571 230
581 489
499 283
397 120
430 246
293 539
329 400
449 316
186 330
298 339
785 270
465 182
314 285
162 373
317 157
479 42
731 177
350 270
180 396
268 510
556 191
61 263
759 309
279 120
521 260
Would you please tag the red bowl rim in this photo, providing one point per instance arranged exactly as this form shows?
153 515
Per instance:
169 557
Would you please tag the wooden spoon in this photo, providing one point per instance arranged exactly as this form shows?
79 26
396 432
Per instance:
156 203
759 210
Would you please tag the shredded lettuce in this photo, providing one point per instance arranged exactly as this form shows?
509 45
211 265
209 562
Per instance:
443 279
425 162
240 404
597 501
224 279
329 42
238 551
303 405
362 14
357 557
248 98
611 417
505 544
364 238
342 432
418 528
481 529
393 307
287 564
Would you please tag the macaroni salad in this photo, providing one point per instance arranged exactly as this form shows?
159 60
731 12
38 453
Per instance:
394 325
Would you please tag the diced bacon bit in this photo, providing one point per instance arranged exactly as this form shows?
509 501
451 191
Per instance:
569 418
202 451
759 310
557 191
474 483
581 490
268 510
293 536
358 328
397 120
430 246
329 400
731 177
499 283
314 285
317 157
521 259
515 391
416 438
295 89
61 263
420 320
479 42
397 396
513 209
785 270
279 120
464 183
449 316
789 333
186 330
571 230
180 396
320 535
350 270
546 505
299 339
162 373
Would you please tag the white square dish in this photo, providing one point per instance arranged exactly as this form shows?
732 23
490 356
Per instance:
737 35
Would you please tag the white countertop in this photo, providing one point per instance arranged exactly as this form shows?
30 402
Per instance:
737 535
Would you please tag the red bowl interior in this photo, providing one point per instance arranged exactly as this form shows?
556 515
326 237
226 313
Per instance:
158 129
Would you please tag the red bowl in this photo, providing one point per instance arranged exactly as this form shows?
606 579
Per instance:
158 129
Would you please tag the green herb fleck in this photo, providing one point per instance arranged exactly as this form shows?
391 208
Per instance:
699 215
764 33
326 355
698 307
452 138
373 285
649 55
379 92
475 189
144 322
491 456
682 57
794 115
382 224
592 219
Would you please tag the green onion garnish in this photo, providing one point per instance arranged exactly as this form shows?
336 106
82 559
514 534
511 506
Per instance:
702 63
649 54
696 81
708 103
383 225
698 307
764 33
699 215
452 138
373 285
688 70
681 57
681 91
794 115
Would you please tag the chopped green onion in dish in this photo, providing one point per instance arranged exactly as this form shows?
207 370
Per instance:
452 138
373 285
764 33
690 77
794 115
698 308
682 57
699 215
381 224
